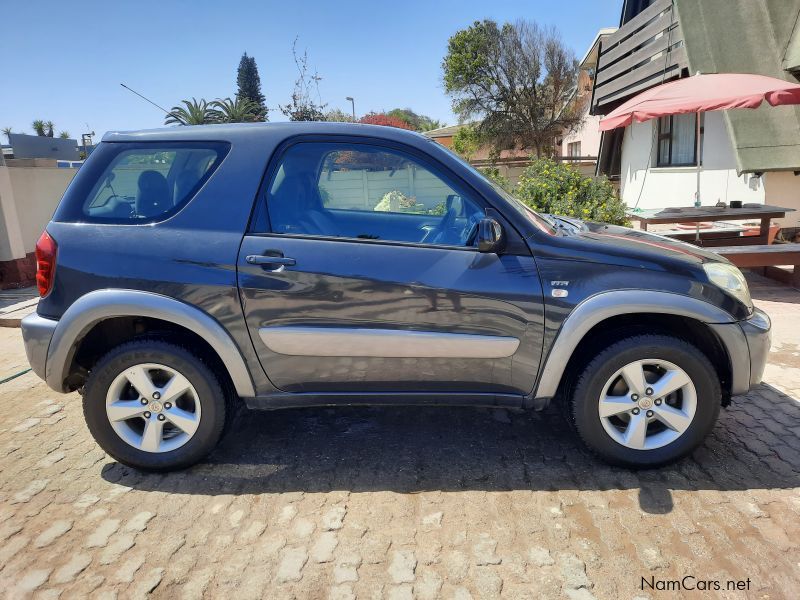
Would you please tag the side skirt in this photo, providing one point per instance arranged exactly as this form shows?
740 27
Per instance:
316 399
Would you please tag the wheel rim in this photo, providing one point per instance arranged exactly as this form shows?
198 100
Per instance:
153 408
647 404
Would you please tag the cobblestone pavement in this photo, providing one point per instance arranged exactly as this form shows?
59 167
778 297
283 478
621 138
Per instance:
401 503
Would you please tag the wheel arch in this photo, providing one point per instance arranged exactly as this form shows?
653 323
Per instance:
708 326
100 306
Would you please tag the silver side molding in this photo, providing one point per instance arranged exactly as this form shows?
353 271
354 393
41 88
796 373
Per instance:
384 343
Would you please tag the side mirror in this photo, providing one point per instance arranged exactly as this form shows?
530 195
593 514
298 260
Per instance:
490 235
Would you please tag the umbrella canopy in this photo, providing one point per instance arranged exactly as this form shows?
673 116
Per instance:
703 93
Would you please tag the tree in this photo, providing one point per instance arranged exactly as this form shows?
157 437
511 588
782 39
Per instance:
384 119
49 125
193 112
249 85
516 79
7 132
337 115
240 110
415 121
39 127
467 141
302 106
64 135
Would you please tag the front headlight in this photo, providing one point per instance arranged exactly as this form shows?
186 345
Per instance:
730 279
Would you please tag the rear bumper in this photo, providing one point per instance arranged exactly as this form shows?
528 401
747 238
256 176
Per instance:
747 344
36 333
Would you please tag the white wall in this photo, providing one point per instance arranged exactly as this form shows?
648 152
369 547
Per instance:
588 135
675 186
28 196
783 189
362 189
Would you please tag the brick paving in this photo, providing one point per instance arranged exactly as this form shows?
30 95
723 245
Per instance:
401 503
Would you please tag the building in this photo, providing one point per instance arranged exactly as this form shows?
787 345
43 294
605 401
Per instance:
443 135
748 155
582 147
40 146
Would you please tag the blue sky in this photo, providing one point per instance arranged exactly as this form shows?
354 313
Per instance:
64 61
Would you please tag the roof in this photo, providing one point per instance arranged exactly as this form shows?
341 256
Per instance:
791 60
742 36
448 131
232 132
589 60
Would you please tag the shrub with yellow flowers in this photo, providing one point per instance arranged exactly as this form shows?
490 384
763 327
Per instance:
558 188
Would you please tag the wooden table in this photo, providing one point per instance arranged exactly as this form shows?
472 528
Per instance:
692 214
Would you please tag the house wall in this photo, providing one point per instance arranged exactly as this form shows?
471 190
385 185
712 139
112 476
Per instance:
648 187
783 189
588 135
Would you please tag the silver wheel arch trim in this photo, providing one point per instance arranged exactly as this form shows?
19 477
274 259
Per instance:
605 305
91 308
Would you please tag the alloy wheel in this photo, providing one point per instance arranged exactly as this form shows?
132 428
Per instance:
153 408
647 404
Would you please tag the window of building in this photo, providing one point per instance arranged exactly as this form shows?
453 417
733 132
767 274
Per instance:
574 149
677 140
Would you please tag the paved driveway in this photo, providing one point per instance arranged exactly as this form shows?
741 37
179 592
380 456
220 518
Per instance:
402 503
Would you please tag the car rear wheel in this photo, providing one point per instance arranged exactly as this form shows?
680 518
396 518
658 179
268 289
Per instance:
154 405
646 401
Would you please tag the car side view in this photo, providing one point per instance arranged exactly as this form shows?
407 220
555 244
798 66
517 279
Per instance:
191 271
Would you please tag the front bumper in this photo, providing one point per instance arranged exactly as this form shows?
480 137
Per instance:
747 344
36 333
758 332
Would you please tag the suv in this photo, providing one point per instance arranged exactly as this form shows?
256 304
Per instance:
193 270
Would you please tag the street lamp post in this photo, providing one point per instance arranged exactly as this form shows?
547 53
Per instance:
353 103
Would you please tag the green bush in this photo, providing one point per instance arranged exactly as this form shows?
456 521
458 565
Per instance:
554 187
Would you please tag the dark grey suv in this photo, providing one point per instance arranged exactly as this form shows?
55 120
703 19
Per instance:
191 271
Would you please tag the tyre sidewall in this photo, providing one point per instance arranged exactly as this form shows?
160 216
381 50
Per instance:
201 377
590 387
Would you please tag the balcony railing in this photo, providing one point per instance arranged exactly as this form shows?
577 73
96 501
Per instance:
646 51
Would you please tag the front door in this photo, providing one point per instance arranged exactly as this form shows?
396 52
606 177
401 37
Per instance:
359 274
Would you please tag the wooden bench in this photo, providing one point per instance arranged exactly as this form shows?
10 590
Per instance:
768 257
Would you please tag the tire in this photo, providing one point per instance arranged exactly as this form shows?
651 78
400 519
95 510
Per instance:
170 435
652 430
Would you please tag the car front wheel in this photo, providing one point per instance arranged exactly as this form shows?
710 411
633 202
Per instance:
646 401
154 405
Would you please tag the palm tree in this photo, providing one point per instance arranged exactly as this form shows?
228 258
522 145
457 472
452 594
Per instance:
49 126
241 110
7 133
38 126
64 135
193 112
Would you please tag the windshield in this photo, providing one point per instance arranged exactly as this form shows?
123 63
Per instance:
540 221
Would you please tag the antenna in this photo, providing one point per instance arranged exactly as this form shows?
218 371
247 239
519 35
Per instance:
146 99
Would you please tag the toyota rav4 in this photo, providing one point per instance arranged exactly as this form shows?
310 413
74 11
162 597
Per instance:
190 271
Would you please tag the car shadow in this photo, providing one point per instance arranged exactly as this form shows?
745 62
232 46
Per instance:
412 450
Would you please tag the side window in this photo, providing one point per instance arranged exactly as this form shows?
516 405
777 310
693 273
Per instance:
367 192
137 183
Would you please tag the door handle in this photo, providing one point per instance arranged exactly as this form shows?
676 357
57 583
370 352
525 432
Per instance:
260 259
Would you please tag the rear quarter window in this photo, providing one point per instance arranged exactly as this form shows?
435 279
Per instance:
138 183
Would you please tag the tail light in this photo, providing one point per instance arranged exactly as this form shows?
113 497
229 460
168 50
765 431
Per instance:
46 249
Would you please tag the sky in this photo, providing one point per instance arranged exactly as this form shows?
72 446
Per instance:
64 61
